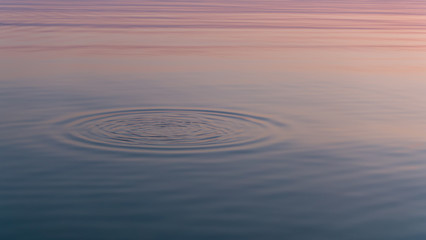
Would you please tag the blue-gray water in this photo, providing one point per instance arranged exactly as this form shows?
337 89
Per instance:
227 120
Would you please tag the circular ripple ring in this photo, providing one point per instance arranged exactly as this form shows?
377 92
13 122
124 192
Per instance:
168 130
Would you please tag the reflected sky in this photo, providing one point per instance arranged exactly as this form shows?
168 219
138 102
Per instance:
343 56
345 79
356 36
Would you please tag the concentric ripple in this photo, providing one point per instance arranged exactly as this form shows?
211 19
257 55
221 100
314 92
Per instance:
168 130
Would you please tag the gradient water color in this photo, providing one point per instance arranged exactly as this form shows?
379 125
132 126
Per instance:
212 119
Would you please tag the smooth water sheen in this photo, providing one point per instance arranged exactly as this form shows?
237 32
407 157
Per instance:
237 119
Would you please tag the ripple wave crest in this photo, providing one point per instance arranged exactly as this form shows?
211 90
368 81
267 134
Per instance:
169 130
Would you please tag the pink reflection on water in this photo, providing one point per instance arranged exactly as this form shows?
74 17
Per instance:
150 27
361 36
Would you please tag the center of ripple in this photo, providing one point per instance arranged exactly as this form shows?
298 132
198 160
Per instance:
168 130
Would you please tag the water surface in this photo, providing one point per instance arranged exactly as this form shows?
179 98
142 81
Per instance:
212 120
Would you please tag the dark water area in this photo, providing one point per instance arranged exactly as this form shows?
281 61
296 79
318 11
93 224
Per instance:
212 120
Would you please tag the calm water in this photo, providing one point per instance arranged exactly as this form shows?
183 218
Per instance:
212 120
